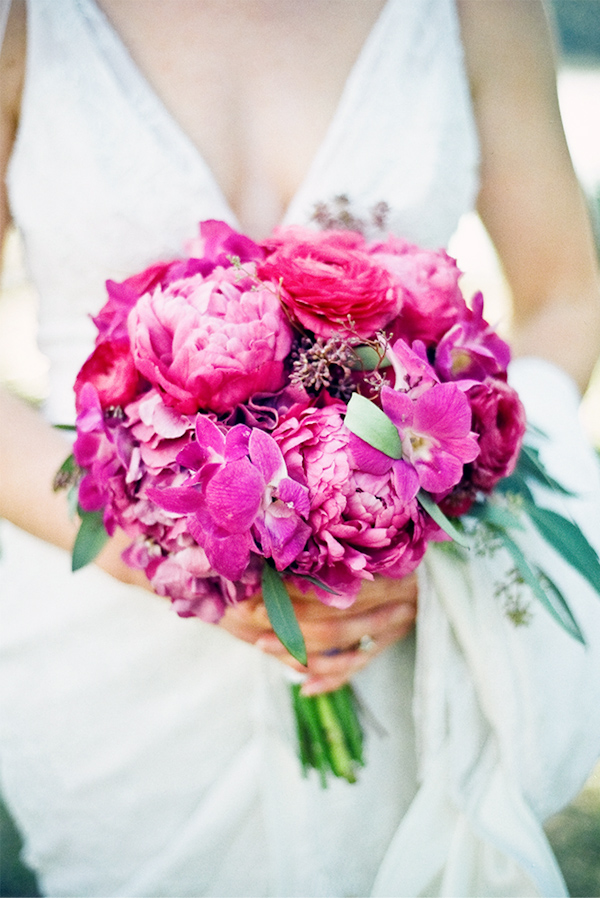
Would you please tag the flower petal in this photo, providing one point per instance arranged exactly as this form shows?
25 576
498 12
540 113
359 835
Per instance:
234 495
266 455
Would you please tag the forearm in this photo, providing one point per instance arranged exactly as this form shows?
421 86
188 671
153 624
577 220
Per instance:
31 451
530 201
565 331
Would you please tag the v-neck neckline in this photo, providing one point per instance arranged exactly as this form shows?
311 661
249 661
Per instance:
161 116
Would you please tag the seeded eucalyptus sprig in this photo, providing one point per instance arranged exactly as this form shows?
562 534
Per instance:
91 535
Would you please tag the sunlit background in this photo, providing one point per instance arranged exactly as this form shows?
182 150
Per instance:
575 833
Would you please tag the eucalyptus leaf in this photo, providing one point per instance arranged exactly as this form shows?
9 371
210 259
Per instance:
318 583
550 596
441 520
569 542
371 424
281 613
91 538
369 358
498 515
515 483
530 465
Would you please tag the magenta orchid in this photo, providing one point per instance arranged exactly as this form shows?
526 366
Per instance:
471 348
240 498
435 435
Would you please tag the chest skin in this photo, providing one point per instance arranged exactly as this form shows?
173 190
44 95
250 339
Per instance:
253 83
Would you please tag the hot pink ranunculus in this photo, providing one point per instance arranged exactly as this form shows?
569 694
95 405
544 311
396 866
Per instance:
211 343
331 284
499 419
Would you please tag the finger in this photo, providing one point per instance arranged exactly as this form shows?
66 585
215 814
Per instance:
334 640
385 624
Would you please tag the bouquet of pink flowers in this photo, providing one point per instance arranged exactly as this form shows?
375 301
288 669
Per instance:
316 408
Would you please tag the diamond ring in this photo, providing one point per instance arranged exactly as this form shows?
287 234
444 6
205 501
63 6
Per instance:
367 644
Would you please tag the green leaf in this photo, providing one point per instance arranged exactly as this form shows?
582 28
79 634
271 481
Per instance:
530 465
569 542
550 597
318 583
281 613
67 469
515 483
435 512
497 515
369 358
70 427
371 424
90 539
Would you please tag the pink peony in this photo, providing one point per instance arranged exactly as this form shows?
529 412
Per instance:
111 320
215 245
330 283
361 524
211 343
431 298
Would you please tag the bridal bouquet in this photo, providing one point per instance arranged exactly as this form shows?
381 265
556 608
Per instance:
315 409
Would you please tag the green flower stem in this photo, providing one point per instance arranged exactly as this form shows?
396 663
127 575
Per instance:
344 702
315 745
339 755
329 733
304 743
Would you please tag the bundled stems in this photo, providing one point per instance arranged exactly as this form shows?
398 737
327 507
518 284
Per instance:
330 736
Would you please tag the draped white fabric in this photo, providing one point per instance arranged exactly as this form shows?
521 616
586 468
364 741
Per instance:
146 755
507 721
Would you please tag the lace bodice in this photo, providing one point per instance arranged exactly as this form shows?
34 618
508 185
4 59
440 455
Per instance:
103 181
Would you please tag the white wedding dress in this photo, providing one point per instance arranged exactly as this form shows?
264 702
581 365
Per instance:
146 755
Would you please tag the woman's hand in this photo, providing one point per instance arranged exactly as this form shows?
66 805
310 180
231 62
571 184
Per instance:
338 643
